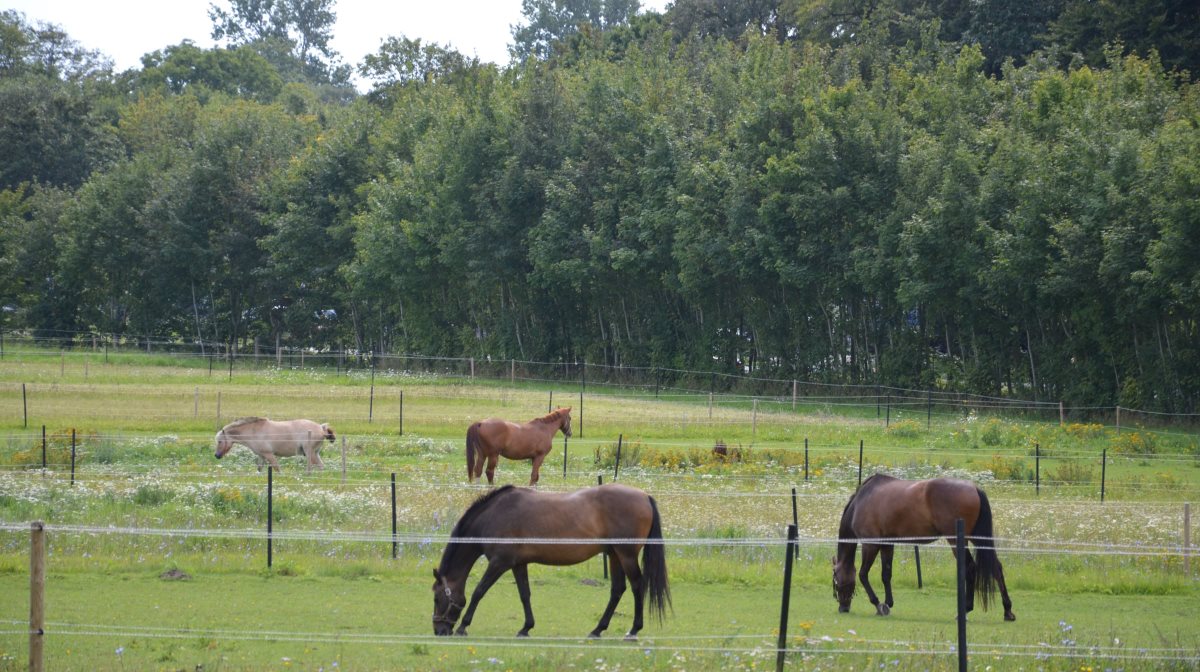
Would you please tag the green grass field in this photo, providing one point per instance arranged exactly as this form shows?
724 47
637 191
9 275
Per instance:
1098 586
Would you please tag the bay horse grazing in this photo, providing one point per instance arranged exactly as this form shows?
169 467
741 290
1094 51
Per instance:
491 438
271 439
612 519
886 507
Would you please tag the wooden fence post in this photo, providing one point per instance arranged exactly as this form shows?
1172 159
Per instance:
37 593
754 423
1187 539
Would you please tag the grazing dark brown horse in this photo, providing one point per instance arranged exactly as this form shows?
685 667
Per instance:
886 507
491 438
618 518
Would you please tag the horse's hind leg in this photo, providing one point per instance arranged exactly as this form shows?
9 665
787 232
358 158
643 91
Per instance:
972 569
537 466
999 574
614 596
885 557
491 467
521 574
868 559
629 562
475 469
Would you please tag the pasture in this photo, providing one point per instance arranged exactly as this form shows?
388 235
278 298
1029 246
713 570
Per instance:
157 551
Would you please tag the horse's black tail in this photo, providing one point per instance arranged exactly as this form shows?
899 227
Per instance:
472 447
986 562
654 568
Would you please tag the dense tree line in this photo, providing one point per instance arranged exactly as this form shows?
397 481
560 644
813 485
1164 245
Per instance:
989 197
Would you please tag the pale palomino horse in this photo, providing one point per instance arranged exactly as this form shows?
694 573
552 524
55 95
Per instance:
271 439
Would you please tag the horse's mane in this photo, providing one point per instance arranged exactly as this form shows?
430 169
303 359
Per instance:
244 421
552 416
468 518
477 507
872 481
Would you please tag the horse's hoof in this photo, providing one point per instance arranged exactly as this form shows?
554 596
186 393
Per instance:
593 635
631 637
882 609
1009 616
523 633
460 633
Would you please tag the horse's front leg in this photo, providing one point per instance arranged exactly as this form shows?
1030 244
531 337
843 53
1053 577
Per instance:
494 570
885 557
868 559
274 462
521 574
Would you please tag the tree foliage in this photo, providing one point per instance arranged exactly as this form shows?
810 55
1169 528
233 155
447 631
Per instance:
896 192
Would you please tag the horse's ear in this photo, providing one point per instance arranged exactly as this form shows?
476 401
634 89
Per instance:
833 560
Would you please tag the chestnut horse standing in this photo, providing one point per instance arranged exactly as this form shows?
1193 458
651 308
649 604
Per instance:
513 527
491 438
271 439
886 507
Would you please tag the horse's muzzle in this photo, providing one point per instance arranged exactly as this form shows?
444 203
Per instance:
220 455
843 608
442 629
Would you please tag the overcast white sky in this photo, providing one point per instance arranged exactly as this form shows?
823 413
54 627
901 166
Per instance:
126 29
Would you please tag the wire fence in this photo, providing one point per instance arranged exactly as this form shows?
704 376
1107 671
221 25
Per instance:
582 375
813 642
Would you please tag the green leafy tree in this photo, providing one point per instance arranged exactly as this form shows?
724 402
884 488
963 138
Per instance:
551 21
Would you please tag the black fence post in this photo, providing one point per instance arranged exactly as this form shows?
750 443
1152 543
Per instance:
43 447
887 421
795 518
565 437
1037 469
270 514
928 408
960 544
806 459
72 456
860 455
24 407
917 557
603 557
401 412
395 542
582 389
781 654
1103 471
617 463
